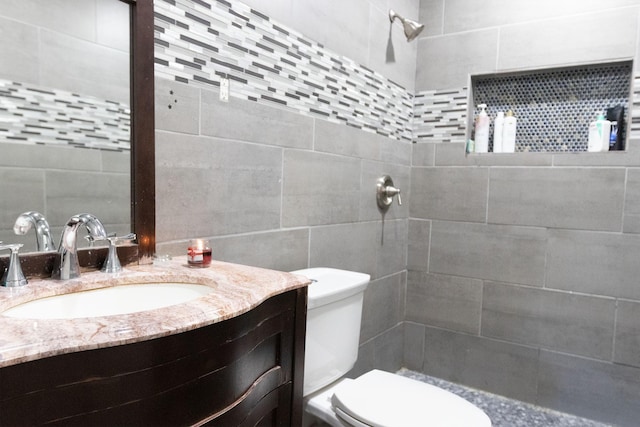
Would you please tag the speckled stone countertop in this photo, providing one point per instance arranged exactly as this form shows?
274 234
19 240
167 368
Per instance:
238 289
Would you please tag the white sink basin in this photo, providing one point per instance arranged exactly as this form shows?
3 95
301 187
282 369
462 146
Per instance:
109 301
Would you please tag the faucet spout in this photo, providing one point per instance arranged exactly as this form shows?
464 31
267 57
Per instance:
66 265
32 219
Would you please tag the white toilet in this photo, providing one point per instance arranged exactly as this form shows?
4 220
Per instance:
377 398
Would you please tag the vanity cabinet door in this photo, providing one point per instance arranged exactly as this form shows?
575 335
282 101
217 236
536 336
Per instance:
244 371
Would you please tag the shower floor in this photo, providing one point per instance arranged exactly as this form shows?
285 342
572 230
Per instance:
505 412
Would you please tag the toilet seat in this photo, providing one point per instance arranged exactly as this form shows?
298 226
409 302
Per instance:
382 399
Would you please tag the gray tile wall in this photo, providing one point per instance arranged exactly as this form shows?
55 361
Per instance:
523 268
280 190
60 182
274 177
493 296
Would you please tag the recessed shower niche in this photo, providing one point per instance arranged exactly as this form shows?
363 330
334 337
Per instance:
554 106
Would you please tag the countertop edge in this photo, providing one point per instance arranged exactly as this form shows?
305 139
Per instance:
237 290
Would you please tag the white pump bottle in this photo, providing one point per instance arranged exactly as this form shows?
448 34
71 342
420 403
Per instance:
482 130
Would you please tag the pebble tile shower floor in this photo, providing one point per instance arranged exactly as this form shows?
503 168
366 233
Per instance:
505 412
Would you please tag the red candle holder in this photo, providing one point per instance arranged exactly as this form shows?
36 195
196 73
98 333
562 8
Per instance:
199 253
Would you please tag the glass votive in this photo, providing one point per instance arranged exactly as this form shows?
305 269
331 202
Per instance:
199 253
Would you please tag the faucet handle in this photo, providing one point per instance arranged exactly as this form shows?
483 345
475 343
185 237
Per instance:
385 191
13 276
112 264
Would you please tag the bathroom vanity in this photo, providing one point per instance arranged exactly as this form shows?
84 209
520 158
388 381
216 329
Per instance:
232 357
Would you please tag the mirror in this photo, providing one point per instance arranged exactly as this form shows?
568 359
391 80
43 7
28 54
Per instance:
81 164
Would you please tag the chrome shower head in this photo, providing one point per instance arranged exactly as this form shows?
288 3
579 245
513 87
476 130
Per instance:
411 28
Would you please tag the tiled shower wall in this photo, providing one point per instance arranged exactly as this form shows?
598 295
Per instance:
523 268
283 175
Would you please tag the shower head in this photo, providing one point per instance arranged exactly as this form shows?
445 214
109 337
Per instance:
411 28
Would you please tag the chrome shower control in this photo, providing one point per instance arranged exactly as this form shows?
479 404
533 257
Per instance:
385 192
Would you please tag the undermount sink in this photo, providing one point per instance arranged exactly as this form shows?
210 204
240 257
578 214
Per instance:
123 299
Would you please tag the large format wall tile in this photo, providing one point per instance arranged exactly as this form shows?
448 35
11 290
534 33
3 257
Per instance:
594 263
19 51
576 324
177 107
627 348
320 189
414 335
332 138
495 366
460 17
383 306
208 186
346 246
21 190
458 55
589 388
444 301
632 202
500 253
70 193
589 40
391 246
418 239
253 122
284 250
452 194
578 198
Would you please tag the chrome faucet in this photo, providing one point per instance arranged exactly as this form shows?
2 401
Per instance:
112 263
66 264
32 219
13 276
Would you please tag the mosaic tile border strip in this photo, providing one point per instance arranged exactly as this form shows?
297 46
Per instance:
634 116
197 42
33 115
440 115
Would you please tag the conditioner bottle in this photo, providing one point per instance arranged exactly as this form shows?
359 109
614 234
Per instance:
482 130
509 133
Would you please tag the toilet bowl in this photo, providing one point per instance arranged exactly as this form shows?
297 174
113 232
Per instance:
376 398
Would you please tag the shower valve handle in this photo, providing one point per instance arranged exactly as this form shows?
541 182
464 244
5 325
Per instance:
385 191
393 191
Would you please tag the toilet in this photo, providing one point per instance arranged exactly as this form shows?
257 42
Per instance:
374 399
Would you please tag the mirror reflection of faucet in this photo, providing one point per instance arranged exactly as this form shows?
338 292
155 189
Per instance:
32 219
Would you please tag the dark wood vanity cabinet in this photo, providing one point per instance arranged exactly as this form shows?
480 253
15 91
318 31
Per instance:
245 371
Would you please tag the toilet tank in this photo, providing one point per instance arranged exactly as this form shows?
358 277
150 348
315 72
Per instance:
334 313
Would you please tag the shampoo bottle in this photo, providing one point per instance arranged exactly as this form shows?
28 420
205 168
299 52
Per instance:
482 130
599 132
509 133
498 127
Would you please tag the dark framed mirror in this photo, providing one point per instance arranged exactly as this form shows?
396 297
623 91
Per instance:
143 178
142 147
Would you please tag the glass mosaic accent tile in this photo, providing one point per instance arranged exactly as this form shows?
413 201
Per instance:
634 122
198 42
33 115
440 116
554 108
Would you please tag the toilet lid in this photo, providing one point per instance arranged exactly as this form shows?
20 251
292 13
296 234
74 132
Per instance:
382 399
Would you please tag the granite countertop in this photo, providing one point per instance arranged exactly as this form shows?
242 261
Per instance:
238 289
